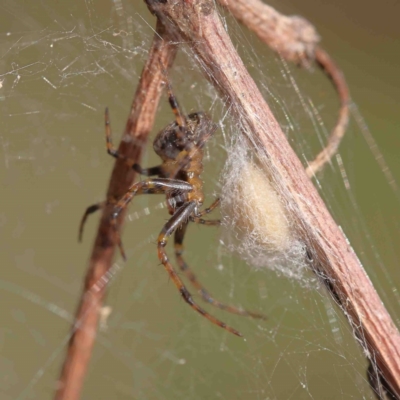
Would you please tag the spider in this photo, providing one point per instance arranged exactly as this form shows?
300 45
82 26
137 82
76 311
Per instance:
180 147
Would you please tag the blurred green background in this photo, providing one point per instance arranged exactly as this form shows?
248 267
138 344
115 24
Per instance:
61 63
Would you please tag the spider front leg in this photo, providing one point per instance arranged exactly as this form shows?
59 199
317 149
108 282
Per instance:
206 296
112 151
180 217
149 186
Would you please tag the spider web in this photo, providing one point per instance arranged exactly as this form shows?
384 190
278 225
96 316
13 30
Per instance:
60 65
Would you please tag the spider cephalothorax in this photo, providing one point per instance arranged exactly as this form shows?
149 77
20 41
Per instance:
174 138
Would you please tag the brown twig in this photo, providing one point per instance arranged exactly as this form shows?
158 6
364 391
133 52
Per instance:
196 22
292 37
295 39
336 136
137 128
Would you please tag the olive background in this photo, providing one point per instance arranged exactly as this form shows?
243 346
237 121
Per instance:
61 63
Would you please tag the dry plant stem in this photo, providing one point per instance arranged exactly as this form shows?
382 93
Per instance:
196 23
138 126
336 136
296 40
293 37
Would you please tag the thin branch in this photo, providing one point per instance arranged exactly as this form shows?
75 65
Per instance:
292 37
138 126
196 22
336 136
295 39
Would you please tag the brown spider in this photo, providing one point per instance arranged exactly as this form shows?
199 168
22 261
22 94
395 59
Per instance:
180 146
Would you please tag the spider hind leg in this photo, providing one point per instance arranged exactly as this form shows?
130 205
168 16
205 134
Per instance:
180 217
205 295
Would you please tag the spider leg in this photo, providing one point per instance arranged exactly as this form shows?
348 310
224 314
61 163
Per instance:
212 207
173 102
90 210
206 296
180 217
149 186
208 222
112 151
157 170
201 221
